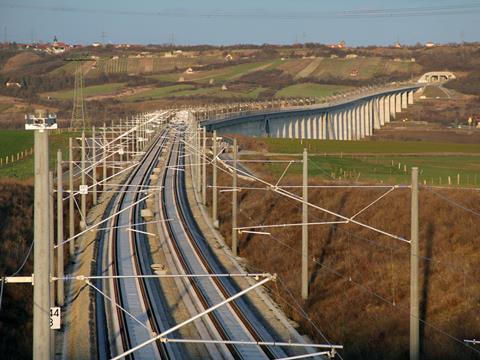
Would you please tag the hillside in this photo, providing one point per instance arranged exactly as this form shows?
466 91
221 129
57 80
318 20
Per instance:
359 279
122 81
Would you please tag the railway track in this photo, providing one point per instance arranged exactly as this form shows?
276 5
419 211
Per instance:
235 321
135 309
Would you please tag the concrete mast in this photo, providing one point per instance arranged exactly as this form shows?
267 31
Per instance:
71 200
234 198
41 251
60 289
305 227
414 305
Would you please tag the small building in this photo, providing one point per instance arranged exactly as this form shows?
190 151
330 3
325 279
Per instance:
59 47
351 56
96 44
181 79
228 57
429 44
211 81
189 71
398 45
12 84
224 87
354 73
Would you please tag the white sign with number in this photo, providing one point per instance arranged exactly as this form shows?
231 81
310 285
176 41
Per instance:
83 190
55 317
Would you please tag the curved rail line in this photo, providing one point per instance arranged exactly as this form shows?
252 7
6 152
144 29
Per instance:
236 321
125 256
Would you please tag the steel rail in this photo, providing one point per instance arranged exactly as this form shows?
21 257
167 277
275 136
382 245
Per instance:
183 213
139 174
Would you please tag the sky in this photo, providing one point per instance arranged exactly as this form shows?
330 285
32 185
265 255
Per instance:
225 22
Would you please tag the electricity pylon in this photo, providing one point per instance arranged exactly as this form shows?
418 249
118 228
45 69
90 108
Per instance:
79 113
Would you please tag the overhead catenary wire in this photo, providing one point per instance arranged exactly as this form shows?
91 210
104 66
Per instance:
373 293
349 279
452 202
421 11
299 199
158 276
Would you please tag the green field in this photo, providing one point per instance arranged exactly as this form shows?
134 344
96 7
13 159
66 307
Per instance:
157 93
88 91
383 161
14 141
296 146
311 90
221 75
433 170
18 140
184 90
218 92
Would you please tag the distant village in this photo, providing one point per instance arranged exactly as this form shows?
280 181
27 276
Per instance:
57 47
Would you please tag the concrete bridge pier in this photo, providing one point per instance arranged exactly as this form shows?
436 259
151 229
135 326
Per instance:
324 120
398 103
381 110
410 97
330 120
393 98
344 125
370 118
404 100
338 123
357 122
376 114
364 121
335 126
387 109
350 124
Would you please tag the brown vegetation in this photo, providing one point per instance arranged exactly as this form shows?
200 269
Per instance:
20 60
359 279
16 234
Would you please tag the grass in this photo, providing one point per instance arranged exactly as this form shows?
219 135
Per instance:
184 90
218 92
14 141
289 146
311 90
391 169
159 92
352 267
24 169
382 161
223 74
88 91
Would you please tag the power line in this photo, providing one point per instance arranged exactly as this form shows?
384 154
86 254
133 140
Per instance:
452 202
371 291
454 9
24 260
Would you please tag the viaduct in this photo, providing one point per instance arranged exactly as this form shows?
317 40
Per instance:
350 119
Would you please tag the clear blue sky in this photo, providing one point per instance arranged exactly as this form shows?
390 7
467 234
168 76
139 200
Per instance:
358 22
